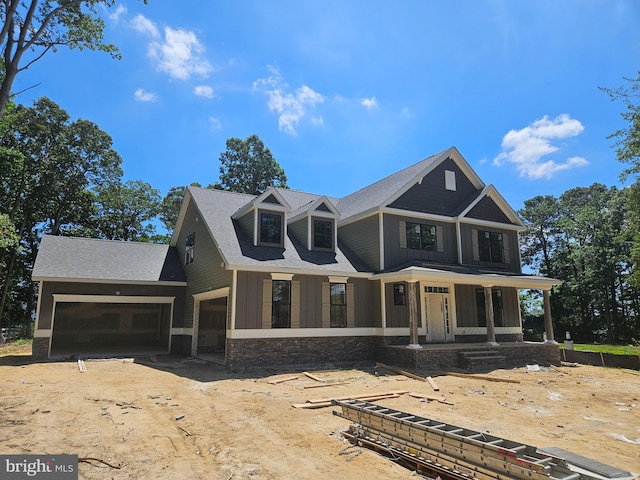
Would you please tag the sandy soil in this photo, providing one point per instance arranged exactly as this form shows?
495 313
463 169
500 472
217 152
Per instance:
184 418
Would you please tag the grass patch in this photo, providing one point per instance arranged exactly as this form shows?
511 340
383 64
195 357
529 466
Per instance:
613 349
19 346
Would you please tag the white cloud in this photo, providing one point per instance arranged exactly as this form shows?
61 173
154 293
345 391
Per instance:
142 24
143 96
317 120
369 103
525 148
179 54
203 91
406 113
215 123
290 106
118 12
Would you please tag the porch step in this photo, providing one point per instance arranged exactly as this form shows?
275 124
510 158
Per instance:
474 358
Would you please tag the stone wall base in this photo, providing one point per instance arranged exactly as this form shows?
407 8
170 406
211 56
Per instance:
40 348
242 354
181 344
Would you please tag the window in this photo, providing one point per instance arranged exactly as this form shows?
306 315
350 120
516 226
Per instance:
271 228
323 234
189 249
496 297
490 247
281 304
399 295
450 180
420 236
338 301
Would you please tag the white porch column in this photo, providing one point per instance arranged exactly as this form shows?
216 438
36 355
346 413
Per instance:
548 324
413 315
488 308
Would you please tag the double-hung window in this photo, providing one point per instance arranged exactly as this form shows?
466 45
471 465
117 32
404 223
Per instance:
338 304
323 234
490 247
421 236
281 304
496 298
270 228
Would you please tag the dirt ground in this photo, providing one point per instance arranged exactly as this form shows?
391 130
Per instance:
184 418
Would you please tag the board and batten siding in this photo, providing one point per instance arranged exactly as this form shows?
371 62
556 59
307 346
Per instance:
467 308
398 315
206 272
396 252
469 235
363 238
432 196
123 290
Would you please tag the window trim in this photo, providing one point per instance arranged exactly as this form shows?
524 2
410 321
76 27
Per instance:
274 214
331 223
429 247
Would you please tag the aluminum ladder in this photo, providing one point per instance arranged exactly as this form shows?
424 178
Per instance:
460 452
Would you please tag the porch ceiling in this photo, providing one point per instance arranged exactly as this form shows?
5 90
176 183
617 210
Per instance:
466 275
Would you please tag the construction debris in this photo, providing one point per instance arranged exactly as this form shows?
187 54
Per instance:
313 377
401 372
433 384
430 398
326 402
325 385
281 380
81 366
481 377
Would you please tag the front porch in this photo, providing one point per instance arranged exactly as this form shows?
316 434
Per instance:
445 356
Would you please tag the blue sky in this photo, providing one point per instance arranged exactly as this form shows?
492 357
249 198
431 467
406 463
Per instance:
347 92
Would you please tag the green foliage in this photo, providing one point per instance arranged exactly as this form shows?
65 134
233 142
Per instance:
613 349
170 208
583 238
32 28
249 167
8 236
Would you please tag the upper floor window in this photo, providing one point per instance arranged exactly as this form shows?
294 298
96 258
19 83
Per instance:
421 236
323 234
490 247
281 304
338 301
271 228
189 248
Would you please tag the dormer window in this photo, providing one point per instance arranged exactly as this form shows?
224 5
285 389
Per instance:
322 234
271 228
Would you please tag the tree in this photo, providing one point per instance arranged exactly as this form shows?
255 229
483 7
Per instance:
32 28
126 211
249 167
170 208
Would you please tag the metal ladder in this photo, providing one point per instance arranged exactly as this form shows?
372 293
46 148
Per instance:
463 452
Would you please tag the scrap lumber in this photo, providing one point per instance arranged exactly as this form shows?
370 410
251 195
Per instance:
401 372
329 403
482 377
313 377
81 366
281 380
431 398
433 384
359 397
325 385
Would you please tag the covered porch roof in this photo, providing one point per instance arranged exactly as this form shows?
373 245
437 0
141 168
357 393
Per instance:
466 275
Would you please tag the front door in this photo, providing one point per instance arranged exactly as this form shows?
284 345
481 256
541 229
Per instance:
437 314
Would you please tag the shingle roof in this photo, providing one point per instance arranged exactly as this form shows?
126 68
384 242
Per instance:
217 207
87 259
377 194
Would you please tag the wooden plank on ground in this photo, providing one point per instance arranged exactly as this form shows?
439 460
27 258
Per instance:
401 372
313 377
429 397
482 377
358 397
329 403
325 385
280 380
433 384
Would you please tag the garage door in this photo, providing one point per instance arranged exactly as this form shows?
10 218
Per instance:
110 327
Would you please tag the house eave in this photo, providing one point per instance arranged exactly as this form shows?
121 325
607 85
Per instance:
297 271
108 281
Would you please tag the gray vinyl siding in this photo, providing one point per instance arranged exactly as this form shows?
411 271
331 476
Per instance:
249 300
394 255
486 209
363 238
299 230
431 196
509 238
74 288
246 223
398 315
467 308
205 273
